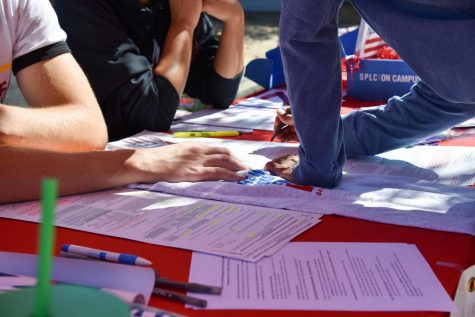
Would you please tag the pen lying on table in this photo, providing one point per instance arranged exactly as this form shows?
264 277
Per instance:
177 297
142 310
190 287
102 255
159 281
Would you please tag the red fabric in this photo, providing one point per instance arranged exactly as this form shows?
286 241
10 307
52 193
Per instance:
19 236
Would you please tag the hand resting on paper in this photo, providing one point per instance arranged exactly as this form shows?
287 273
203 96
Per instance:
283 166
189 161
288 133
80 172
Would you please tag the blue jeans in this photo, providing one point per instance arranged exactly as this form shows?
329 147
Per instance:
435 37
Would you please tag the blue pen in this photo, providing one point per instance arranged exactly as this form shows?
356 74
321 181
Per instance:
103 255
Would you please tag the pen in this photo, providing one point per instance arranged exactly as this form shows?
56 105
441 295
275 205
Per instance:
281 126
204 134
190 287
74 256
180 297
103 255
139 309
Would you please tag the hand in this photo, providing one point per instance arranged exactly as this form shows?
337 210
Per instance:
288 133
283 166
190 161
185 12
224 10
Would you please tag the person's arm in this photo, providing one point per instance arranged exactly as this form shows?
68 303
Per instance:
79 172
217 66
174 63
63 113
229 60
112 48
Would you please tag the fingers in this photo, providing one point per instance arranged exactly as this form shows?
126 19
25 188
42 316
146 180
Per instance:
222 157
219 173
200 154
209 150
228 162
203 173
283 166
289 135
285 117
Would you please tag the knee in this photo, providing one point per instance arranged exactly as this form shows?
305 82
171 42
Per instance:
302 19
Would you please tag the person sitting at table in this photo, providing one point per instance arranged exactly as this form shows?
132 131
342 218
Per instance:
141 55
435 38
61 133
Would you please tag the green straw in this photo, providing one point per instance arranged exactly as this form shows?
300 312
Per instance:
49 188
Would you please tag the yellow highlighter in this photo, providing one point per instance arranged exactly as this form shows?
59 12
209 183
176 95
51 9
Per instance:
204 134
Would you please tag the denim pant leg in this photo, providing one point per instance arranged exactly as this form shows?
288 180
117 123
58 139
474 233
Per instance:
403 121
311 57
436 39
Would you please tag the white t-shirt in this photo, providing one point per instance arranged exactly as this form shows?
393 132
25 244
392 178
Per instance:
29 32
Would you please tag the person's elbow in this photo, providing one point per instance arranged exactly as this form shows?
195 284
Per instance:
219 102
94 129
221 92
100 138
222 95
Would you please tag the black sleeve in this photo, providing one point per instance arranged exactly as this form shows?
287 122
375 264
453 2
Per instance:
39 54
203 81
131 97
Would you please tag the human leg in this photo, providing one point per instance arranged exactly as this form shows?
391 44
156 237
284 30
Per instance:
311 58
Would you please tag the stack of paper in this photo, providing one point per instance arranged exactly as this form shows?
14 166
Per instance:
239 231
406 187
252 113
325 276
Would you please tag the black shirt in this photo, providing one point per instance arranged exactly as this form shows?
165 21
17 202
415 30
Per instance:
117 43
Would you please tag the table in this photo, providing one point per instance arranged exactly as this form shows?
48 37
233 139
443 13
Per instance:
19 236
435 246
459 249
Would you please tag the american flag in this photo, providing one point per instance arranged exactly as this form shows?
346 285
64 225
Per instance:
368 42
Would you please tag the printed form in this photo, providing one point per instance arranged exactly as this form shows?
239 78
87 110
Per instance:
380 188
325 276
233 230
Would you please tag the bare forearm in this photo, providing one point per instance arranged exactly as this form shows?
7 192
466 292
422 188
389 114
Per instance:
174 63
63 127
229 60
22 170
63 113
